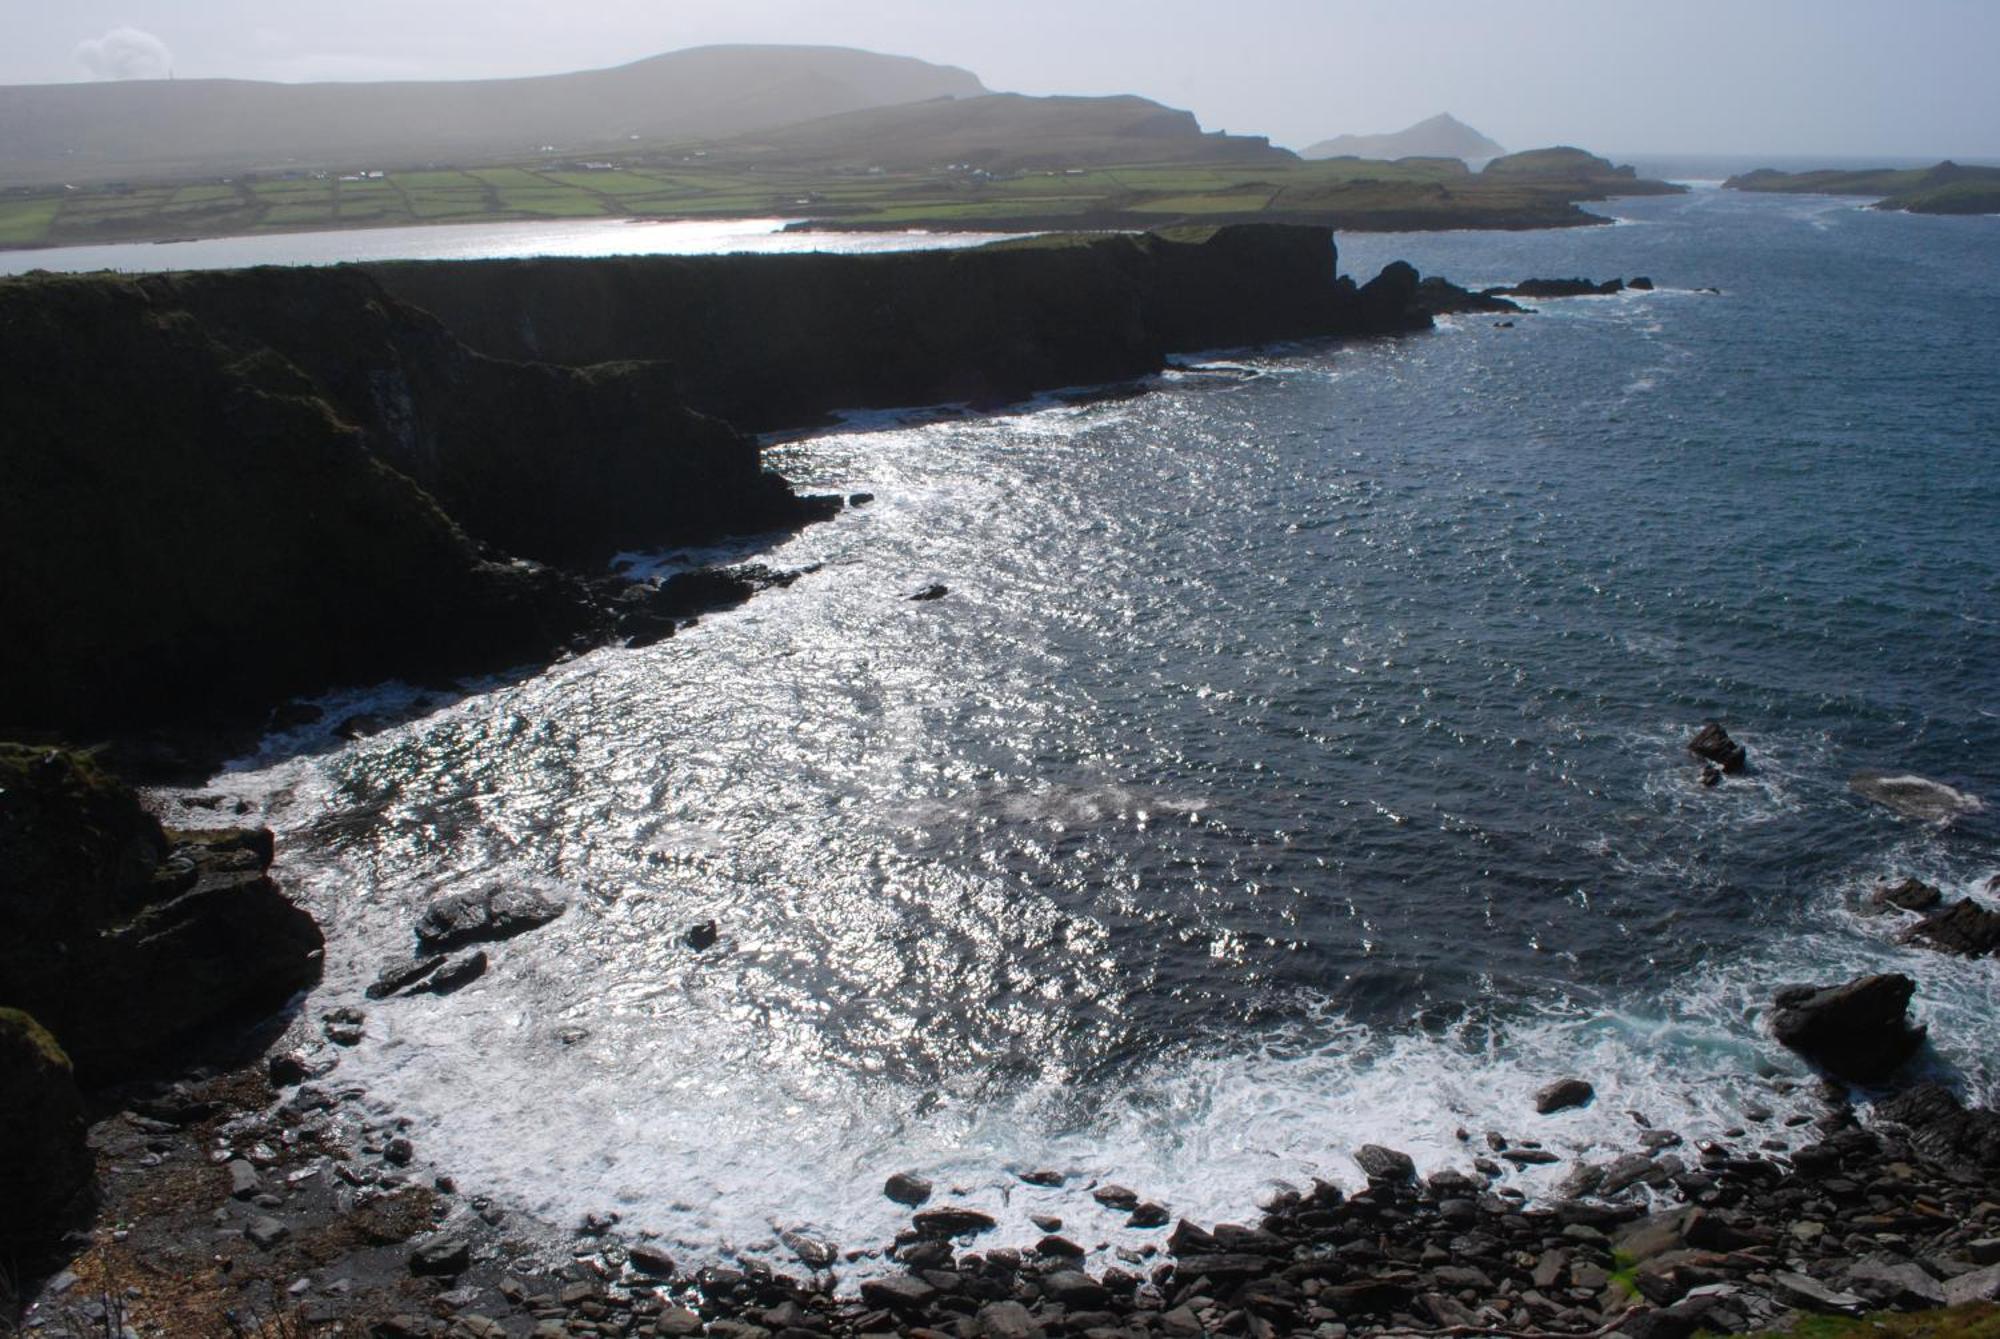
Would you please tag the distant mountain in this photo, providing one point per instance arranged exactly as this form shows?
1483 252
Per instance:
106 131
1001 132
1443 136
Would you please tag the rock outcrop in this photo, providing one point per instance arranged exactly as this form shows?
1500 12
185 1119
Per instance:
1859 1030
45 1163
128 942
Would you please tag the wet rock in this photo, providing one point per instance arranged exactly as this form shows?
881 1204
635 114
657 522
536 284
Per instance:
898 1292
651 1261
1859 1030
1044 1176
344 1027
288 1068
1075 1290
702 937
1053 1245
907 1188
1047 1222
1564 288
441 1257
934 591
811 1251
1562 1095
1149 1214
398 1152
1964 928
1914 796
1116 1197
1908 895
859 499
456 974
484 916
1711 776
399 976
1225 1268
952 1221
1713 744
1530 1157
1641 282
1385 1164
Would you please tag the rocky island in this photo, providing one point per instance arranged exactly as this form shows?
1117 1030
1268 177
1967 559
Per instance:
1948 188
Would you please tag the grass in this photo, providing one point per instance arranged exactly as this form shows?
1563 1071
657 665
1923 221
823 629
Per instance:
1341 193
1977 1320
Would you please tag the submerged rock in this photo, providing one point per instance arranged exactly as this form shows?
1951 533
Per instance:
934 591
907 1188
1713 744
1564 288
1859 1030
702 937
484 915
1914 796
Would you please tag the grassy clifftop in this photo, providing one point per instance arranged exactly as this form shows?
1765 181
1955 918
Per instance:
1948 188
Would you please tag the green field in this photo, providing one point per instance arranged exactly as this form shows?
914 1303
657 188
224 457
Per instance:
1342 193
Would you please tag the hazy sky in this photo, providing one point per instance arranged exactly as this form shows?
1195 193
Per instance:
1725 76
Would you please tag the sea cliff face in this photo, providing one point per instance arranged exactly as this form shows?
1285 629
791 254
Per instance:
225 488
776 341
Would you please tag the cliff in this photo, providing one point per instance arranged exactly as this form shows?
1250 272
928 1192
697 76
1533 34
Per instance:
226 488
776 341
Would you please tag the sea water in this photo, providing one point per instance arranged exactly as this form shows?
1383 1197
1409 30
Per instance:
1295 762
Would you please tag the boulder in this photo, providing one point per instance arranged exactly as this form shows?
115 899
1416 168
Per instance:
483 916
1563 1094
1908 895
45 1164
441 1257
952 1221
702 937
1385 1164
907 1188
400 976
1075 1290
1859 1030
1713 744
1964 927
1884 1280
1116 1197
1565 288
456 974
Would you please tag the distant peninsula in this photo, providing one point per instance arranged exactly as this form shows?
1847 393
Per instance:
1442 136
821 136
1947 188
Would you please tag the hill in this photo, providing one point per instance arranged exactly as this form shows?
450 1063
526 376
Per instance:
159 128
1000 132
1443 136
1948 188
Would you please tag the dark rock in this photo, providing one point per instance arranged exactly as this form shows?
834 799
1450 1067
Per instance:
124 944
1713 744
343 1026
45 1164
1385 1164
1808 1294
952 1221
811 1251
1075 1290
398 1152
287 1068
1530 1157
1006 1320
1053 1245
1116 1197
1149 1214
1943 1128
1711 775
1564 288
483 916
934 591
456 974
1909 895
898 1292
441 1257
859 499
1884 1280
1047 1222
651 1260
399 976
1043 1177
1224 1268
1440 297
1641 282
1858 1031
1964 927
1563 1094
907 1188
703 937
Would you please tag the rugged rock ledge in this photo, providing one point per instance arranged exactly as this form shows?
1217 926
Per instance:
779 341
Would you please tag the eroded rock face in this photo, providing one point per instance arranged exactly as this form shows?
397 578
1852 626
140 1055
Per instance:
125 940
45 1164
1859 1030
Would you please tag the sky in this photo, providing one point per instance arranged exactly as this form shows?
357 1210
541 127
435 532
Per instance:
1799 77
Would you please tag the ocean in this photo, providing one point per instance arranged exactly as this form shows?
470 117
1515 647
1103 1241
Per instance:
1296 762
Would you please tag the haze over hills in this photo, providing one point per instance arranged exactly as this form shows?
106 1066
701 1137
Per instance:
1002 132
104 131
1442 136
